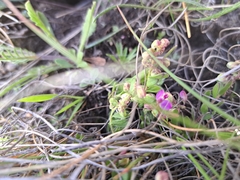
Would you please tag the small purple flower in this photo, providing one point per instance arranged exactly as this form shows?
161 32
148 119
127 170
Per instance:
162 99
161 95
166 105
183 95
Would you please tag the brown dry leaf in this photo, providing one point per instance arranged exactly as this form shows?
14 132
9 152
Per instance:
97 61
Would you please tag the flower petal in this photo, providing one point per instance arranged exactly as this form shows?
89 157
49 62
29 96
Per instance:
166 105
183 95
160 96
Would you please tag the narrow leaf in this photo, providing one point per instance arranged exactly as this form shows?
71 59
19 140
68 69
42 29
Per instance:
65 108
215 90
74 112
89 27
63 63
38 98
224 89
39 19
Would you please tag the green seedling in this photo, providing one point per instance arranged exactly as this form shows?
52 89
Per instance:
123 55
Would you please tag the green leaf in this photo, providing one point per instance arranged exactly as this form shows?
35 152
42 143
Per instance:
117 122
157 79
89 26
75 110
65 108
220 89
204 108
44 19
79 136
224 166
63 63
39 19
207 116
30 75
226 87
72 97
215 90
208 93
16 54
153 89
38 98
151 82
112 57
149 99
132 54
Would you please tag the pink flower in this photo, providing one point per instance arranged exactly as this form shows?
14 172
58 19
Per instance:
183 95
166 105
161 95
163 98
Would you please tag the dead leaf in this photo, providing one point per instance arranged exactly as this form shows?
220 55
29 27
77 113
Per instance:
97 61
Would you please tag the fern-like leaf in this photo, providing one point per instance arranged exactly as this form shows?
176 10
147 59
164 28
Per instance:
16 54
40 20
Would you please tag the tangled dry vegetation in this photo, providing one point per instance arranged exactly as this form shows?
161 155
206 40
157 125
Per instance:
38 141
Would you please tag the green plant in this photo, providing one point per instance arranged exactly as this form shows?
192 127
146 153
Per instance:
19 55
122 54
129 91
76 104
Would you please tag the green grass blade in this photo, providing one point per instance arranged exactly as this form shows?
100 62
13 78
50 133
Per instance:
65 108
198 166
38 98
224 167
219 14
74 112
89 27
207 164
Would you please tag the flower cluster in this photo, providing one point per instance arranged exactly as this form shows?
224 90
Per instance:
165 99
157 48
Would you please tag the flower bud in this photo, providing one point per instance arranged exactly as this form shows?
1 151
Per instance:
125 98
183 95
113 103
158 46
222 78
147 106
231 65
141 93
126 87
145 55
